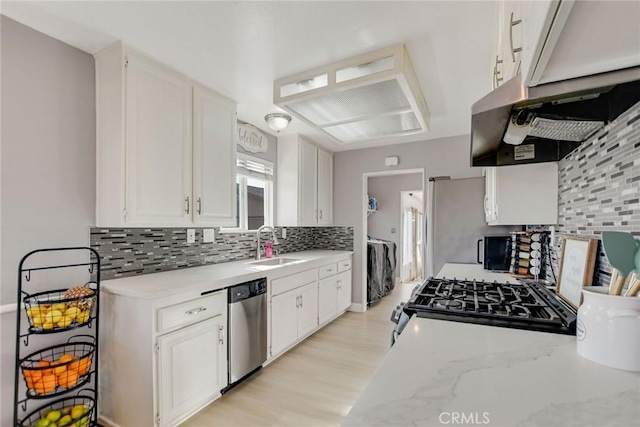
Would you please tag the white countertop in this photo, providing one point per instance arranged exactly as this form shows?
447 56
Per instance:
494 376
513 377
216 276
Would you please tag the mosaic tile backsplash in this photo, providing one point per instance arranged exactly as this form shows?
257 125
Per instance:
135 251
599 189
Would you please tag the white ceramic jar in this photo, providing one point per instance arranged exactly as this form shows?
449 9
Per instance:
608 329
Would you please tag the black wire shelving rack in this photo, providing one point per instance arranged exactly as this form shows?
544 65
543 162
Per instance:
80 385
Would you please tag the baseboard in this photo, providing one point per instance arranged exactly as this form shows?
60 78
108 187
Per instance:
8 308
357 307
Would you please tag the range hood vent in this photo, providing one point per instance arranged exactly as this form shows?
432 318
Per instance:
371 96
516 124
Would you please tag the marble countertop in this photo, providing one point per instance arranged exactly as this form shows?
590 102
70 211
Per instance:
216 276
445 373
441 371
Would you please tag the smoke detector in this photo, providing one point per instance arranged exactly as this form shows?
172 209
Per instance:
371 96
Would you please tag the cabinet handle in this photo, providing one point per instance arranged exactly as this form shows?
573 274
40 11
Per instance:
518 49
297 301
339 284
195 311
199 206
320 213
186 209
221 334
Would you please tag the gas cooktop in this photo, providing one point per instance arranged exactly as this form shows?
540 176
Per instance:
527 305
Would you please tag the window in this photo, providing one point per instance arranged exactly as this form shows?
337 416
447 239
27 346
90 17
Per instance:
254 193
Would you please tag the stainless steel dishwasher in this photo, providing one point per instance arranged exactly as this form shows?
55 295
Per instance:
247 349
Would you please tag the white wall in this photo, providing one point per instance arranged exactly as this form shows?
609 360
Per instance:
387 191
445 156
48 162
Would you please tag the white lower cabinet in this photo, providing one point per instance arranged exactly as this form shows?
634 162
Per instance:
344 290
327 299
294 314
192 368
160 360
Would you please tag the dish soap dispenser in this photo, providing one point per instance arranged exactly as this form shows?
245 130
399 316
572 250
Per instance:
268 250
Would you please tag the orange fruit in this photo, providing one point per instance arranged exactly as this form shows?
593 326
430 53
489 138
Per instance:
66 358
46 384
84 365
30 382
68 379
43 364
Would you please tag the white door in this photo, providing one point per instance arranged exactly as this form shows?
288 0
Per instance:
308 311
325 187
158 144
214 158
284 321
344 290
327 299
308 188
191 368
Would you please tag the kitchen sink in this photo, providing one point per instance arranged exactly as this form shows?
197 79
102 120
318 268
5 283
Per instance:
275 261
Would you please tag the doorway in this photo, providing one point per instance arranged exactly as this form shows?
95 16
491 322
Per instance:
383 225
412 236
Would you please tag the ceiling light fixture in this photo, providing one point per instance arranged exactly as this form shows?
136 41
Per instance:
277 121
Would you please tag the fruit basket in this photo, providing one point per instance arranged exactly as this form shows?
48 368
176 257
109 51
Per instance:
74 411
58 369
61 309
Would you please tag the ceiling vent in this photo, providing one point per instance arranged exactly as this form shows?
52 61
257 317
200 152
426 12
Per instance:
371 96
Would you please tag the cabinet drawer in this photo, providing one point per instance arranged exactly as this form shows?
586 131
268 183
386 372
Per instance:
287 283
191 311
327 270
344 265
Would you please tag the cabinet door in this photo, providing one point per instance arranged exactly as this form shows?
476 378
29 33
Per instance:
308 311
158 144
214 158
284 321
327 299
344 290
490 202
191 369
513 24
325 187
308 185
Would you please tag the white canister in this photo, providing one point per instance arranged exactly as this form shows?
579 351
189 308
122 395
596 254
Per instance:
608 329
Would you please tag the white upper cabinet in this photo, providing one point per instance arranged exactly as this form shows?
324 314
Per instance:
522 194
165 146
305 183
214 158
158 147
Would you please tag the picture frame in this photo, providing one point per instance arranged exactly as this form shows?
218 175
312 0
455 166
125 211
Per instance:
576 267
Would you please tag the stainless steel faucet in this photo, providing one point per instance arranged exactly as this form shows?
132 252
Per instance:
273 235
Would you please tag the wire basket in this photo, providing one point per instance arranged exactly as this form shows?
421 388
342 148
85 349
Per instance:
56 370
77 410
54 311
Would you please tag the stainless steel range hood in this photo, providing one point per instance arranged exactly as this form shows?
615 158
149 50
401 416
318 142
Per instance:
516 124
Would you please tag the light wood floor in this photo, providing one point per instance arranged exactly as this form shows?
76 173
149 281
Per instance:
318 381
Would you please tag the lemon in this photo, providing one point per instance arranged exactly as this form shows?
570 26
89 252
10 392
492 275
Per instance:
54 416
83 316
72 312
66 411
65 421
53 316
77 412
43 422
47 325
60 306
37 321
36 311
64 322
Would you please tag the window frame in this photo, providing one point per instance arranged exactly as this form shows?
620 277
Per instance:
243 175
